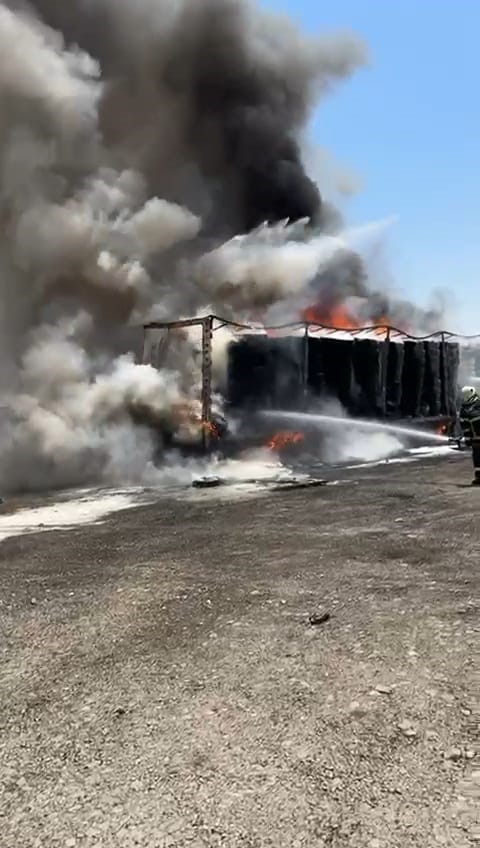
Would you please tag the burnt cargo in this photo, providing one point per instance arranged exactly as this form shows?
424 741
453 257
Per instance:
250 372
395 359
432 384
371 378
369 362
412 379
450 361
288 370
265 373
337 356
315 376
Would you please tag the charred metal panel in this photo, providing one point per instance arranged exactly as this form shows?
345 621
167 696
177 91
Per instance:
412 379
368 362
396 355
370 378
432 384
340 383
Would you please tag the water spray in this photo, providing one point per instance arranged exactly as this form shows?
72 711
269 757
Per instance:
319 420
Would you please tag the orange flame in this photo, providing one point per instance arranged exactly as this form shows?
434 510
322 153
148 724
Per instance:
211 429
282 439
189 415
381 325
335 315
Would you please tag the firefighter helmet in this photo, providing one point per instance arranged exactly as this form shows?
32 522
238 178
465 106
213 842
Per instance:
469 394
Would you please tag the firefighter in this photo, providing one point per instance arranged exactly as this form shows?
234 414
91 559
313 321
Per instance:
470 423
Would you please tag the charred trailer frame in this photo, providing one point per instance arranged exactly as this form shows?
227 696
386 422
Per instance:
388 377
154 348
373 378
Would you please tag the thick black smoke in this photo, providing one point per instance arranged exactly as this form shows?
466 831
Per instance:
212 96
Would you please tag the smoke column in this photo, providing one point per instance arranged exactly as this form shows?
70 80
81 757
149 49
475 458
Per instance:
136 138
209 100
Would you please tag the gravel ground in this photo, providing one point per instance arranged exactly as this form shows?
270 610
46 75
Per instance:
161 684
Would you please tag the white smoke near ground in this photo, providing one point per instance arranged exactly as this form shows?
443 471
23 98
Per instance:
355 446
344 444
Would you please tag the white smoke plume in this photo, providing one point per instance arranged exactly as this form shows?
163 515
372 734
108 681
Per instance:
135 138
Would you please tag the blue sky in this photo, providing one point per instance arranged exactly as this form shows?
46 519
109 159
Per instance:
409 126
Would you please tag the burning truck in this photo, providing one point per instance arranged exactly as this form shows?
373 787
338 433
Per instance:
374 373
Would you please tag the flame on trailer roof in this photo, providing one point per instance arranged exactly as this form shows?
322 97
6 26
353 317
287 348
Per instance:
377 332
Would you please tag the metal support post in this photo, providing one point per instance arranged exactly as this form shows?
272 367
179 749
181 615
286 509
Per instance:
445 384
386 350
207 332
305 370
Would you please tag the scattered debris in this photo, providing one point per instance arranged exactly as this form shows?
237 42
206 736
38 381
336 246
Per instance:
207 482
356 709
407 729
319 618
298 484
453 754
383 690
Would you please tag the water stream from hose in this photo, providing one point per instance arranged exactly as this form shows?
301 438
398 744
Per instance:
319 420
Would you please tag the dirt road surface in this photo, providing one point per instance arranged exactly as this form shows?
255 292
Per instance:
161 684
